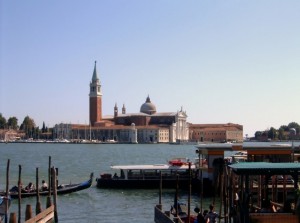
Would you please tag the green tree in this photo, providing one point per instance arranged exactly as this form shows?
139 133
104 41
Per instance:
257 134
12 123
28 126
43 128
272 133
294 125
3 123
285 128
281 134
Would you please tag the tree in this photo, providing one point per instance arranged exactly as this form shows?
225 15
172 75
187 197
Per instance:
3 124
294 125
281 134
44 128
12 123
257 134
285 128
27 126
272 133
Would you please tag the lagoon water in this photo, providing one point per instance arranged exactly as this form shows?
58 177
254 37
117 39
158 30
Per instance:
75 162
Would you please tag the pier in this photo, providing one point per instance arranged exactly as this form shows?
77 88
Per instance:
263 187
41 216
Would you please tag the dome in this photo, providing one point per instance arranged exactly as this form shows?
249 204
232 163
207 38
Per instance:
148 107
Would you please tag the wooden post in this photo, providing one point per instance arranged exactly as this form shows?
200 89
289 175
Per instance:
56 176
13 218
49 177
221 174
38 208
227 194
259 190
54 186
231 192
284 188
19 194
7 186
176 195
201 202
49 203
28 213
160 188
189 196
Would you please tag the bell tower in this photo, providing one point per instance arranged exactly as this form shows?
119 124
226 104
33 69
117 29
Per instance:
95 98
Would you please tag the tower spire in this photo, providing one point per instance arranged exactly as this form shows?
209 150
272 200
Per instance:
95 98
95 76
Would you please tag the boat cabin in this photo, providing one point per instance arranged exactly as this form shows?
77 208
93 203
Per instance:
142 172
150 176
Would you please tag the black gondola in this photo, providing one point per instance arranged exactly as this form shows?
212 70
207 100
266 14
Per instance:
61 189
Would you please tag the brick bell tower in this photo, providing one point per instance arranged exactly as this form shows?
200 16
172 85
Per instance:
95 99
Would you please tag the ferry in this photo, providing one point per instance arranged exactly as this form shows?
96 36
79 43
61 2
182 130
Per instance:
149 176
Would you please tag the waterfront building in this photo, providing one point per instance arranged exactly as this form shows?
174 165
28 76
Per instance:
145 126
216 132
7 135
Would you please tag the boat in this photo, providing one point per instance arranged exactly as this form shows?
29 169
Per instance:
149 176
3 206
61 189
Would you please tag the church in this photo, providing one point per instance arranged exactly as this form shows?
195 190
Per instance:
145 126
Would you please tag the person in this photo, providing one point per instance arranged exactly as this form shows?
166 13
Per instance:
30 187
44 185
200 217
211 215
205 213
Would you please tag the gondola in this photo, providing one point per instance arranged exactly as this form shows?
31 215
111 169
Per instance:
61 189
3 205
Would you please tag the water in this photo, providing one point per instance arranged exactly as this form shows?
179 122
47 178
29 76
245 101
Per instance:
75 162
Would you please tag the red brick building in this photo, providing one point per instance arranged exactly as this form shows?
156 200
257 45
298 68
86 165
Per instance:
95 99
216 132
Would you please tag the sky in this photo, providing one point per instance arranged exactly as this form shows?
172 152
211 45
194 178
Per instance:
220 60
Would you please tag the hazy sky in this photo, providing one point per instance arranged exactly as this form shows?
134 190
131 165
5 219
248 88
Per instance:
221 60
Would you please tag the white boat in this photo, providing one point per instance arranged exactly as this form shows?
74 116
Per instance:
148 176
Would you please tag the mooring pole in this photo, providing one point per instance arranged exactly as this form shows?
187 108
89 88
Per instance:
49 203
190 191
28 212
176 195
7 186
12 218
54 186
38 208
19 194
160 188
